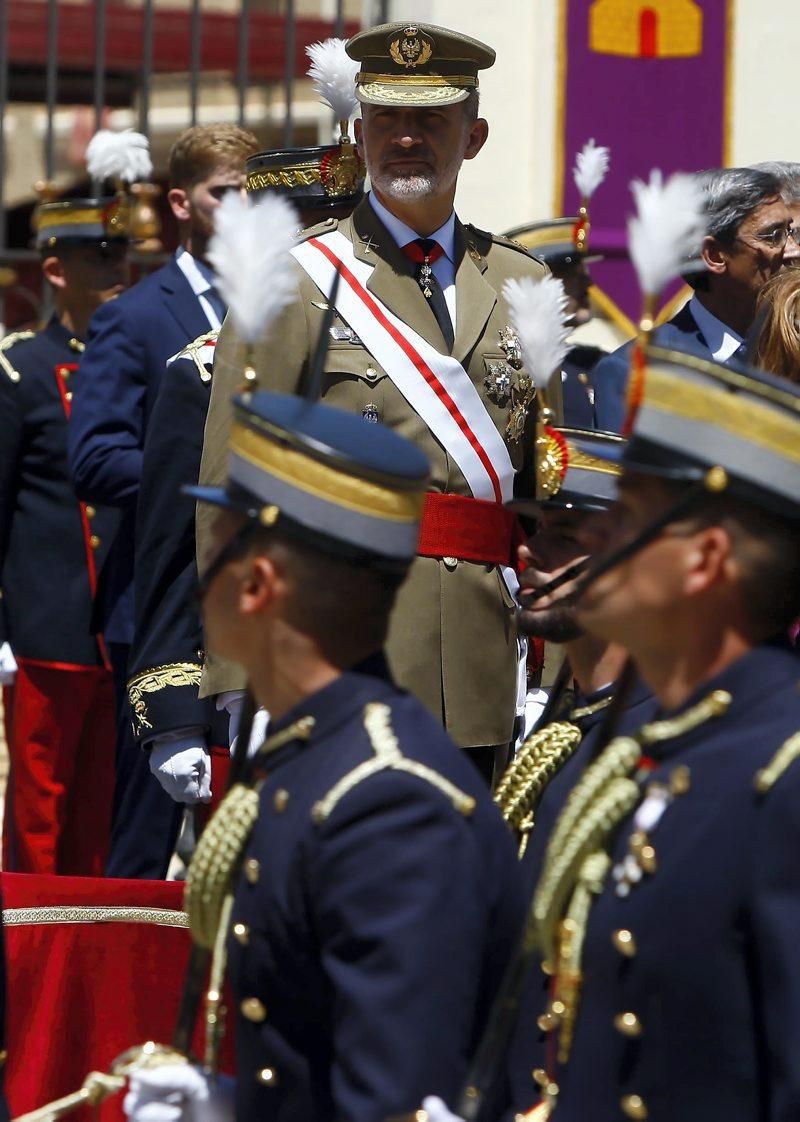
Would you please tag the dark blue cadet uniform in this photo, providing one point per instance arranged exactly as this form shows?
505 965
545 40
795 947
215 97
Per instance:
378 906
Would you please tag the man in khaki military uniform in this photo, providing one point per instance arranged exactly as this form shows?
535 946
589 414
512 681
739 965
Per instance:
421 343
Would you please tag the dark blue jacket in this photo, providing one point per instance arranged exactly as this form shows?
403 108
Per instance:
714 973
129 342
168 640
578 387
377 919
51 546
610 376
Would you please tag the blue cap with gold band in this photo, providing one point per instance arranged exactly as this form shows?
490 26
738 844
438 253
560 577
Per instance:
575 469
82 221
325 477
735 428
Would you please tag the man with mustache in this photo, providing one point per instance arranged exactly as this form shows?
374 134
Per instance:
422 343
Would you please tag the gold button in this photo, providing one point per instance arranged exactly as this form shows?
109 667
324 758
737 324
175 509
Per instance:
628 1024
624 941
371 374
647 859
68 396
680 779
3 1057
254 1010
241 933
64 371
90 512
633 1106
94 541
252 870
280 800
267 1076
450 562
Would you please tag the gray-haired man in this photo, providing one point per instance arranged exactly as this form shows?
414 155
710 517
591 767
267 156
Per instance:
747 233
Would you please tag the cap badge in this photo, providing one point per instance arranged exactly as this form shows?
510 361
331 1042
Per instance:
552 459
411 49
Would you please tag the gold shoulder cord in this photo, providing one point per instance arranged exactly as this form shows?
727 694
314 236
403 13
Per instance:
541 755
210 881
577 862
768 776
193 349
5 345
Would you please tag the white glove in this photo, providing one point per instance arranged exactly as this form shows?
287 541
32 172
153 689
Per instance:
233 701
178 1093
8 665
437 1111
182 765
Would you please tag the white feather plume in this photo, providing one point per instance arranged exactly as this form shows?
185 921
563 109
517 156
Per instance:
538 311
591 168
249 252
333 74
119 155
667 229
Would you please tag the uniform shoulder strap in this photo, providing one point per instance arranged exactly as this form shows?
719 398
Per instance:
388 756
767 777
201 352
487 238
326 226
5 345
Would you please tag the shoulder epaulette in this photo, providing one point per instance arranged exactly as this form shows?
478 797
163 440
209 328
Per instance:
326 226
388 756
768 776
6 344
201 352
498 239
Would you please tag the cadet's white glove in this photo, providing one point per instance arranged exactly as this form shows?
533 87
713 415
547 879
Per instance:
8 665
437 1111
178 1093
232 701
181 763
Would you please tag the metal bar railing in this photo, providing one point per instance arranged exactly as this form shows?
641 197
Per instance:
195 45
147 67
243 61
51 84
290 40
99 62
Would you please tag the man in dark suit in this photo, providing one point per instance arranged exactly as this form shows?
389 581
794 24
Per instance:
747 230
128 346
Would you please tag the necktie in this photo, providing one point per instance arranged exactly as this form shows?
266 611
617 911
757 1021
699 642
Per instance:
216 302
423 252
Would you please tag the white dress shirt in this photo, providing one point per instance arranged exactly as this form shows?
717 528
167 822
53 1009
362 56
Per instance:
201 278
721 340
444 268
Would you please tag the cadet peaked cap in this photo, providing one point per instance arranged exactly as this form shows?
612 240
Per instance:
80 221
734 426
416 64
323 177
575 469
553 241
327 477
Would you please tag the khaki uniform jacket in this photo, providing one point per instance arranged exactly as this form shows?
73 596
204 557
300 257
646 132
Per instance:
453 636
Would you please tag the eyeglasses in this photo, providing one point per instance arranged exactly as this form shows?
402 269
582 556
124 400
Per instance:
775 239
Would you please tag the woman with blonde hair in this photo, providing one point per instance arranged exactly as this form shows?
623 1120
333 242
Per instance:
778 349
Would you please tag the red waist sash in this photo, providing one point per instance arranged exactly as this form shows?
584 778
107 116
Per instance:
469 529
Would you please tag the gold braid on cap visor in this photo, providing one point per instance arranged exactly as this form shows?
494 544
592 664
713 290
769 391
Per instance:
324 482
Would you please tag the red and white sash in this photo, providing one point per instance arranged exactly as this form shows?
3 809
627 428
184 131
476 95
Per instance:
436 386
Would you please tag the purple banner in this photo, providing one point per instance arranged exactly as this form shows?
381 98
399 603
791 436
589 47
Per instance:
649 80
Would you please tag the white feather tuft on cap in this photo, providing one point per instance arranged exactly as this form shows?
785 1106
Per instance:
249 252
666 232
591 168
538 311
119 155
333 74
